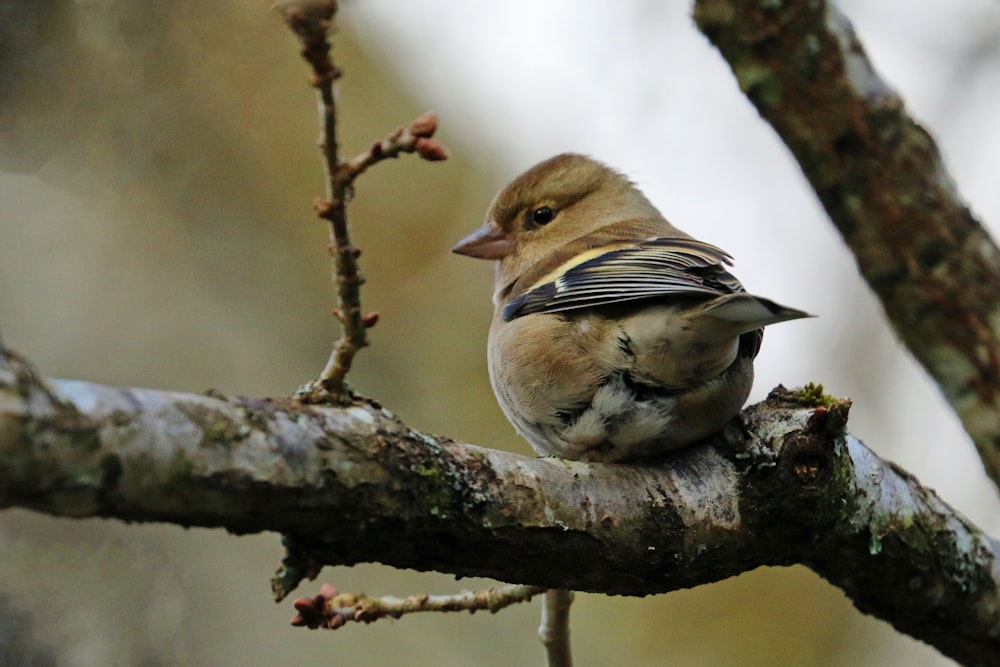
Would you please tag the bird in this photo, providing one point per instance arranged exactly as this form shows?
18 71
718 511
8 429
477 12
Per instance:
616 337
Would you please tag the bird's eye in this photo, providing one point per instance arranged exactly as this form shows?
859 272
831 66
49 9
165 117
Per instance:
543 215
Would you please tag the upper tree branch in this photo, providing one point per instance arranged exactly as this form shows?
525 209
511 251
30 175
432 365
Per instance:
882 182
781 485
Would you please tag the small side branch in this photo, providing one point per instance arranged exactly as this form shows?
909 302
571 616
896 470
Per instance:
312 22
414 138
331 609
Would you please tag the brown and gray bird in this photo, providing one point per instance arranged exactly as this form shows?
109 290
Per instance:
616 336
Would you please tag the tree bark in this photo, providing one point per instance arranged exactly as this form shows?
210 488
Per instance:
782 484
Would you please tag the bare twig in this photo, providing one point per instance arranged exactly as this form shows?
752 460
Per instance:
330 609
554 628
414 138
884 185
312 22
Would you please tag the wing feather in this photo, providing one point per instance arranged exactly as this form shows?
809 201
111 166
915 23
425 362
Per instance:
659 267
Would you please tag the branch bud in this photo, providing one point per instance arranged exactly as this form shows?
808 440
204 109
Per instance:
431 149
424 125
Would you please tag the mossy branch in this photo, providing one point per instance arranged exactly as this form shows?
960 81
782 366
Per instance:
782 484
882 181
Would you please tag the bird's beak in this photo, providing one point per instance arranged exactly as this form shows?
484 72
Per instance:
487 242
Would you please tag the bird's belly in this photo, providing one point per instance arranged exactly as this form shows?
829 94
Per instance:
622 425
600 408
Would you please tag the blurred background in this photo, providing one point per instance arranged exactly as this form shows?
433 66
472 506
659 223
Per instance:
157 168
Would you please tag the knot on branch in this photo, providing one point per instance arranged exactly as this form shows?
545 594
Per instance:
807 455
806 458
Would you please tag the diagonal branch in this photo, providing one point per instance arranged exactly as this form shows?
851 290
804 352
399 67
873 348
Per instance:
882 181
781 485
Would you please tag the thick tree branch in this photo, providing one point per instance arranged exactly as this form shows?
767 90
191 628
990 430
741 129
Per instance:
881 179
781 485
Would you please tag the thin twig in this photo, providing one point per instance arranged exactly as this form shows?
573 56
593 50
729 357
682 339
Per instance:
554 628
312 22
330 609
414 138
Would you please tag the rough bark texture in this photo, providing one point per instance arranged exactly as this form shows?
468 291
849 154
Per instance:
782 484
882 182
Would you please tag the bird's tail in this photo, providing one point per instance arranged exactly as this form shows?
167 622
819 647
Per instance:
748 312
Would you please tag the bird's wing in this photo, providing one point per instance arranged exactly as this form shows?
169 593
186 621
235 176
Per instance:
659 267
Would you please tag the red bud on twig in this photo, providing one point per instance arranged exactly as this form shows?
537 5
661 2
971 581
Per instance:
431 149
424 125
